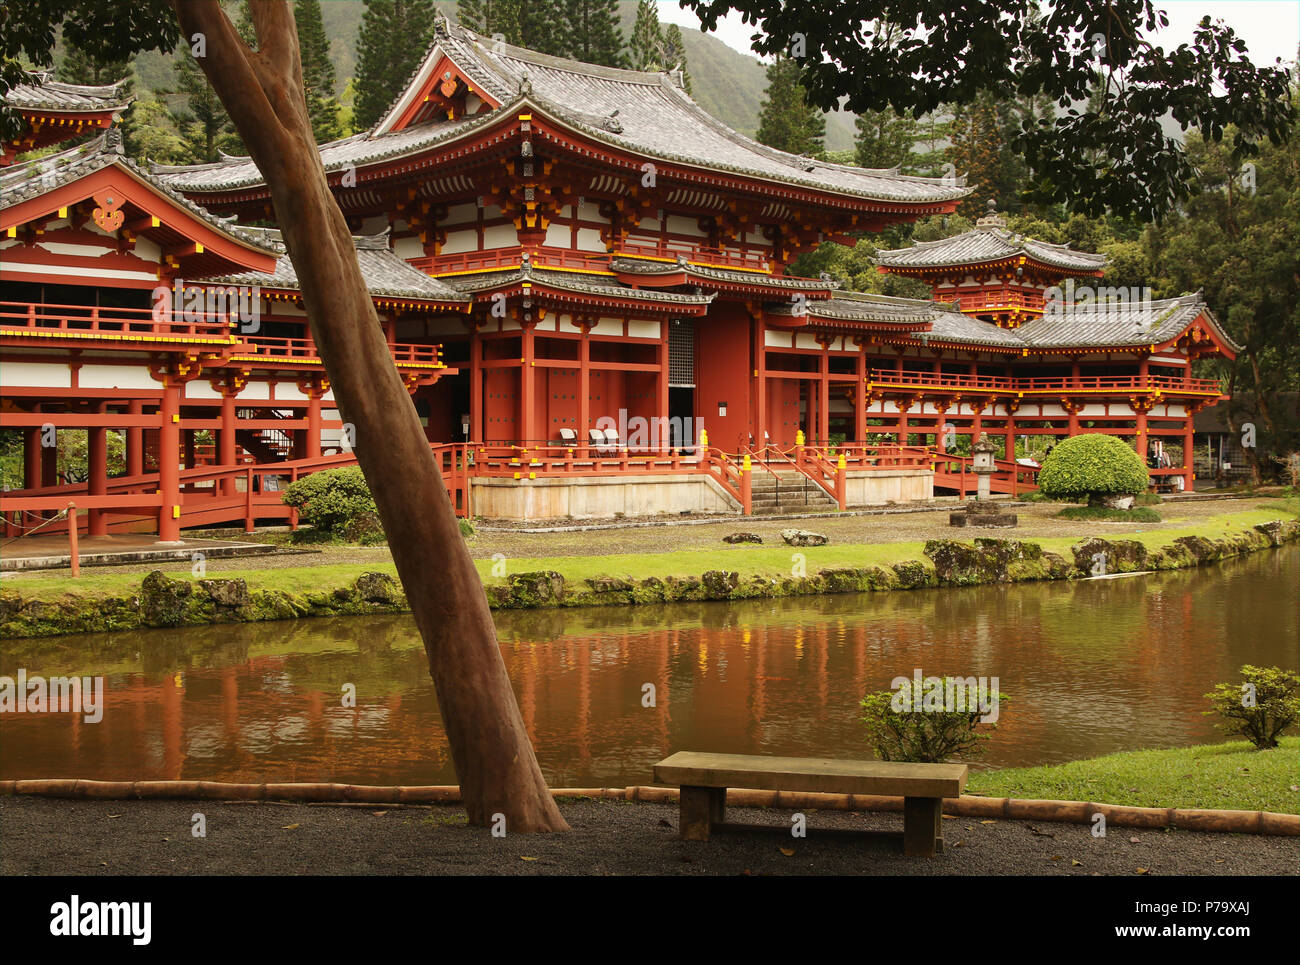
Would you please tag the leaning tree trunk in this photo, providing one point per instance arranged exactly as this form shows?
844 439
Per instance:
263 92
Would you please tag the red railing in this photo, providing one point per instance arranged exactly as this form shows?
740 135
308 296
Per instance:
1011 385
541 256
995 300
304 350
26 318
953 471
699 254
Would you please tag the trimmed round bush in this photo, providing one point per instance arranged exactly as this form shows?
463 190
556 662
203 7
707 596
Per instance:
337 504
1092 466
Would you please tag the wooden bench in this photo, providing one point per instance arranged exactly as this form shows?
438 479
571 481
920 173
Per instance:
704 779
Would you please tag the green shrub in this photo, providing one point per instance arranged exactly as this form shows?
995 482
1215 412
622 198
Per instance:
337 504
1261 707
1092 466
901 731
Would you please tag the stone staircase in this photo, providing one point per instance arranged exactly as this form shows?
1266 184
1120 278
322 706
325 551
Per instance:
788 492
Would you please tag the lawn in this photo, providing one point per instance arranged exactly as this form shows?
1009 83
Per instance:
748 560
1232 776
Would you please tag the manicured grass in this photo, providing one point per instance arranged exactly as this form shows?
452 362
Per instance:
747 559
1231 776
1138 514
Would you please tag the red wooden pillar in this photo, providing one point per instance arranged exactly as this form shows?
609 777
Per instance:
96 474
664 437
584 383
135 441
1074 409
1009 447
169 454
191 459
760 431
475 386
527 384
226 438
902 403
311 448
1189 477
824 395
31 458
1140 409
860 398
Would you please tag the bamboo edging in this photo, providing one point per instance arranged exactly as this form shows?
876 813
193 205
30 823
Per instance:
1078 812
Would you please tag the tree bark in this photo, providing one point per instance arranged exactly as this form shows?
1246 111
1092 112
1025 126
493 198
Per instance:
263 93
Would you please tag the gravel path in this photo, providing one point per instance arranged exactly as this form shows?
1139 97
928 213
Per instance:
45 836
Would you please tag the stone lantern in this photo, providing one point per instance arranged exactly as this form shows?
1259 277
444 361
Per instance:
982 511
982 463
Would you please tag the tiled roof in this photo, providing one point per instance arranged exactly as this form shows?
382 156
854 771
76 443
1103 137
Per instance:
582 284
44 94
989 244
649 113
645 113
385 272
1124 324
1126 327
39 176
708 273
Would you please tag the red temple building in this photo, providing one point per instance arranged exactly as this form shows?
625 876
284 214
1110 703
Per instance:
583 279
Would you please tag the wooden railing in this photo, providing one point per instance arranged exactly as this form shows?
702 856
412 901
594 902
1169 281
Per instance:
30 318
699 254
1009 385
540 256
953 471
304 350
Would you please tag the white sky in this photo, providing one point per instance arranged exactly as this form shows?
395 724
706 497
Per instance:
1270 28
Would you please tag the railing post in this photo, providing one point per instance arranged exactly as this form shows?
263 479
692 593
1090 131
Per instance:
248 501
841 483
73 552
746 486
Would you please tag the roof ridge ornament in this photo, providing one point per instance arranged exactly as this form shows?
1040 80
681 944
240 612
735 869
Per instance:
991 219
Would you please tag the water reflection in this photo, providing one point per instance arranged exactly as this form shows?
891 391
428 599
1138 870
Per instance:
1093 667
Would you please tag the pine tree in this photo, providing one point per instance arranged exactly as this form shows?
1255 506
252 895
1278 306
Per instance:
317 71
886 140
79 67
202 121
594 36
647 43
786 121
391 42
981 151
542 27
491 18
675 53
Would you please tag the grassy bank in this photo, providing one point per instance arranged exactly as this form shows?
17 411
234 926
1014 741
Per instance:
107 599
1231 776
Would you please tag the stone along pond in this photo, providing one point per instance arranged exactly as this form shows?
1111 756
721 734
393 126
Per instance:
1092 667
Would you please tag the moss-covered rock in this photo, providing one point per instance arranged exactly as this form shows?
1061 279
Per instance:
1097 557
540 588
378 588
720 584
912 575
229 594
165 602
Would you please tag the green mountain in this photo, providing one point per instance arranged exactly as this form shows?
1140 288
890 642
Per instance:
726 83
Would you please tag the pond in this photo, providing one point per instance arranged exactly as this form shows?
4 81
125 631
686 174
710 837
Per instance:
1091 668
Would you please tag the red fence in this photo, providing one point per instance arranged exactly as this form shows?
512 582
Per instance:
1011 386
